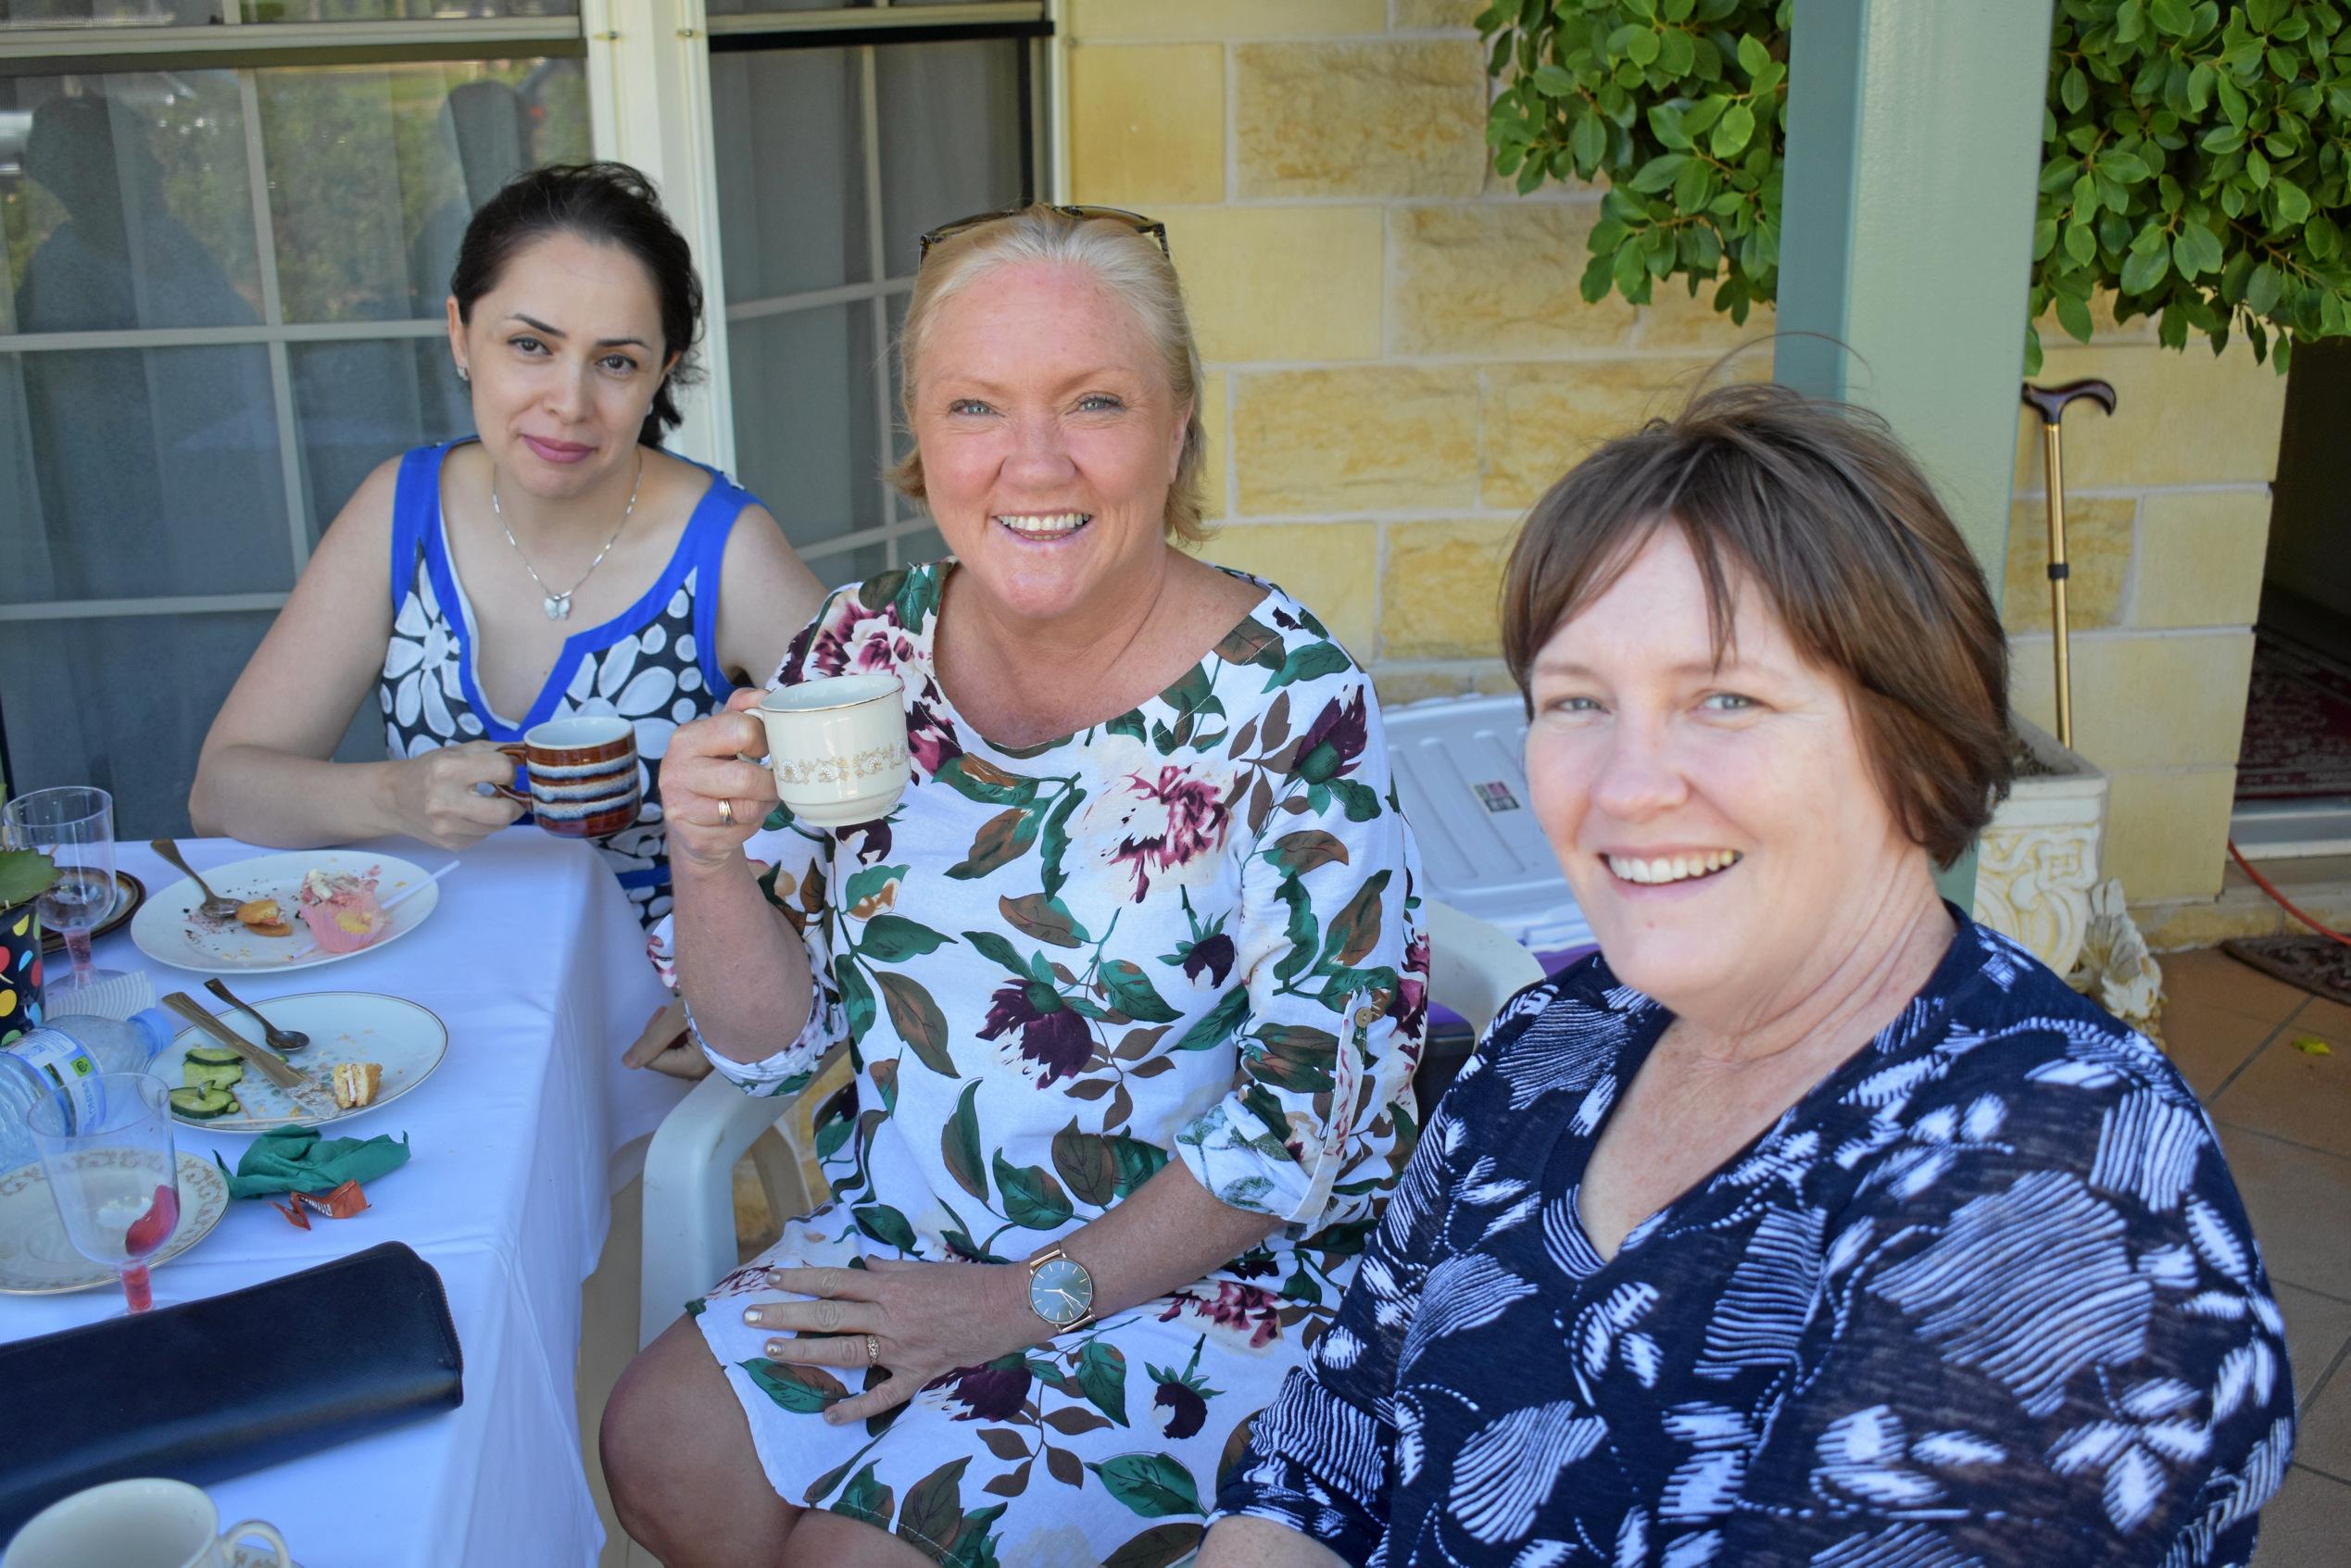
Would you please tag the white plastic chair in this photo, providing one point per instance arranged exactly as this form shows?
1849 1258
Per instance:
689 1188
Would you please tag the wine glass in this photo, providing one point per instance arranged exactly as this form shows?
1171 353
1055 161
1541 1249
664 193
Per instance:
75 824
105 1145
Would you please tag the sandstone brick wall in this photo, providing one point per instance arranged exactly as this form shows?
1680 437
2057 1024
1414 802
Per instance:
1399 363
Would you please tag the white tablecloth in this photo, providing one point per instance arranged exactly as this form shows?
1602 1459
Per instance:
535 962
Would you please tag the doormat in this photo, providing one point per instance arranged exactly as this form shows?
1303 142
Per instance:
2298 722
2314 963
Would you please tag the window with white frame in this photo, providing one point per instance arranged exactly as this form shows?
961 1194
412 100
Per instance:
226 230
839 140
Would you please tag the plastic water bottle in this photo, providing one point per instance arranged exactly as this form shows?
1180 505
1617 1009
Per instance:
62 1054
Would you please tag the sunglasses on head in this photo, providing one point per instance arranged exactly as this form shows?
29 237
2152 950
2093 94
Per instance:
1151 228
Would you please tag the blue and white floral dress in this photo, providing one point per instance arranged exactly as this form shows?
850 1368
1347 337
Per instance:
1984 1295
1188 932
655 664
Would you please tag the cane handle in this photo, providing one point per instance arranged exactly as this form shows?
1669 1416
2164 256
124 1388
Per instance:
2050 401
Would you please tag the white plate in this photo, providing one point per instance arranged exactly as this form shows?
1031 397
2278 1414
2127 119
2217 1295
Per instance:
35 1258
167 929
405 1038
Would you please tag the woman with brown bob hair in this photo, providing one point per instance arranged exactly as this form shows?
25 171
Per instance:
1808 1221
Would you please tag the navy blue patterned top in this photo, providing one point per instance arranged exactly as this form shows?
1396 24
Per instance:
1985 1294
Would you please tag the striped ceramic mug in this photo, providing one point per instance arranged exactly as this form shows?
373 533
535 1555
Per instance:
583 773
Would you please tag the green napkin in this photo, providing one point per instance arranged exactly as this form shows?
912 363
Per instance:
297 1160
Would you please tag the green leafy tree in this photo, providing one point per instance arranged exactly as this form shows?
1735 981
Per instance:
2197 155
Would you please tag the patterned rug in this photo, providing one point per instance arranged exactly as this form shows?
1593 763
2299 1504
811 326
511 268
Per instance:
2298 722
2312 962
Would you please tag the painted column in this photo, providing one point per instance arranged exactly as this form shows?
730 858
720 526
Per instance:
1913 156
649 104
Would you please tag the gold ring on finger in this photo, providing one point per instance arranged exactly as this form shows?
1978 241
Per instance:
873 1352
726 812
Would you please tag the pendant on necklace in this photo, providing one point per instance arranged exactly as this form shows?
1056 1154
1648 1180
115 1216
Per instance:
559 607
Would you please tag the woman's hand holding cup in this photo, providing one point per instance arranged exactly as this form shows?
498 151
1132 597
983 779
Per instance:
714 791
437 796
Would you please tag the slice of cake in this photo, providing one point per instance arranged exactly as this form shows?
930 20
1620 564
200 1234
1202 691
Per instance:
341 911
263 918
356 1083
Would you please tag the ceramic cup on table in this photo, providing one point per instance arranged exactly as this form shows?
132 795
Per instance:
149 1523
838 747
582 775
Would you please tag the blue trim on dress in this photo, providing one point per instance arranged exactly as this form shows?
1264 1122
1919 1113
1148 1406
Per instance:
713 514
710 560
416 497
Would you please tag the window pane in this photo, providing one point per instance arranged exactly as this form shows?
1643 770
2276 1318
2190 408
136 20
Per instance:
207 13
141 472
900 438
950 125
805 422
922 545
87 704
756 8
108 13
357 404
375 169
791 164
127 205
853 565
399 10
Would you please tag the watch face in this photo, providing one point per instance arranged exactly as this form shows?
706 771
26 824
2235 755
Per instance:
1061 1291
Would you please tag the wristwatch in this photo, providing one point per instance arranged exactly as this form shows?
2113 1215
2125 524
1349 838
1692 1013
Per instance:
1060 1290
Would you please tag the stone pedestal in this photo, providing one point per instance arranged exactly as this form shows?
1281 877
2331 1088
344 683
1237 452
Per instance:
2038 860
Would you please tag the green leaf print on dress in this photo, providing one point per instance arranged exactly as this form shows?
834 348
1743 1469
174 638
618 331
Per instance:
1150 1483
1058 967
801 1389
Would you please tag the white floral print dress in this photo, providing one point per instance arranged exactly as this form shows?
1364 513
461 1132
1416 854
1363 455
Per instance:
1190 933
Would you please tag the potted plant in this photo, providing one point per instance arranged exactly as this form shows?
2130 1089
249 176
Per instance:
2037 860
25 874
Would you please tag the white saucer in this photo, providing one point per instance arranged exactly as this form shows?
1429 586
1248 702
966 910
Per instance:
35 1258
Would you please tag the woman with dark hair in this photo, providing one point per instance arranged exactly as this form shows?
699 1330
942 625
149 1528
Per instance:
1809 1222
557 563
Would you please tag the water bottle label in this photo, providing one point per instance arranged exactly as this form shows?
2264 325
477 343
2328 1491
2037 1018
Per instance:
64 1063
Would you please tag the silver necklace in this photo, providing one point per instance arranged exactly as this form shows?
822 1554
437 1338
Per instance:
559 606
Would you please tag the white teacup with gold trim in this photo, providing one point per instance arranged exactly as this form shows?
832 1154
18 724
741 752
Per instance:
149 1523
838 747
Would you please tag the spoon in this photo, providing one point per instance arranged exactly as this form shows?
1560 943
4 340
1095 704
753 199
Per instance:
214 906
283 1041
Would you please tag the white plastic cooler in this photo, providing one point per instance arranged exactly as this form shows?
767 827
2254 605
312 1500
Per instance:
1461 770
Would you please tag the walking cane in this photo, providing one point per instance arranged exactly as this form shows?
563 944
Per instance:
2050 404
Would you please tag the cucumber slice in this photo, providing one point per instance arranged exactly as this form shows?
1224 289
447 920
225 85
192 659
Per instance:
207 1076
215 1055
202 1104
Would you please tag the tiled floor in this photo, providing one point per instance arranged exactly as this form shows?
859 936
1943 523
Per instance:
2285 1120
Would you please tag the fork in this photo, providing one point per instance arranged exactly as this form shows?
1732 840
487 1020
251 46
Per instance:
273 1066
214 907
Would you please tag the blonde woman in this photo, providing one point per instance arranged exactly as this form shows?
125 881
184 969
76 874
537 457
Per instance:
1132 978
